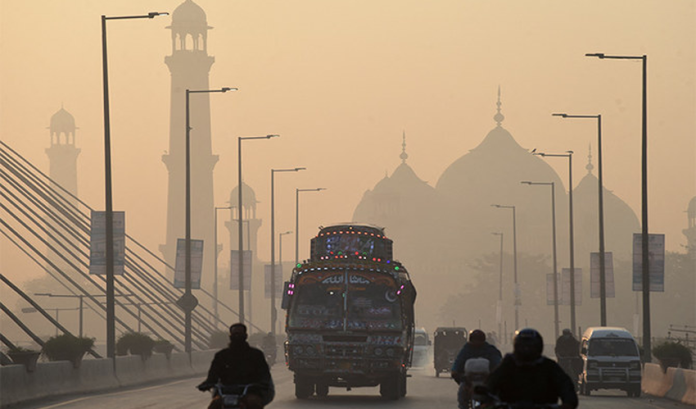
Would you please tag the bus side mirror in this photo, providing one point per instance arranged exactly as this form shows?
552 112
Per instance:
583 351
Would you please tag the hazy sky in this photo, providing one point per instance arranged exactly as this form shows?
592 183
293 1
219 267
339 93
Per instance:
340 80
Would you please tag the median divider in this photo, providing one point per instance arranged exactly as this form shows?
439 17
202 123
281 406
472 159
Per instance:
61 378
676 384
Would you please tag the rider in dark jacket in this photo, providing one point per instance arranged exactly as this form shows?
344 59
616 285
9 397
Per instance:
476 347
241 364
527 376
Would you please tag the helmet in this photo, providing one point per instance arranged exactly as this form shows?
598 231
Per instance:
477 335
567 332
528 345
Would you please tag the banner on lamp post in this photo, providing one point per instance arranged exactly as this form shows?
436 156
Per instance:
565 280
608 275
549 290
196 264
278 281
97 242
234 269
656 262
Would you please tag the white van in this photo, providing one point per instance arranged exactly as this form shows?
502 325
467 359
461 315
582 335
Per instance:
421 348
611 360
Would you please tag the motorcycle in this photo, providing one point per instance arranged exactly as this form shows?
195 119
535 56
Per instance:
231 395
492 401
476 372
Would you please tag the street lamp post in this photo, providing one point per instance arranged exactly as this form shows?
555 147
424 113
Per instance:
553 228
569 155
274 312
240 220
499 307
189 301
644 197
602 267
109 211
297 219
518 298
81 307
215 271
280 249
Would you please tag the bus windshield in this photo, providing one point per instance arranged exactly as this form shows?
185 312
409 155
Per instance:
370 302
318 305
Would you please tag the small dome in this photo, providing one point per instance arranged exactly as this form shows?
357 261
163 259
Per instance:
248 197
691 211
62 122
190 14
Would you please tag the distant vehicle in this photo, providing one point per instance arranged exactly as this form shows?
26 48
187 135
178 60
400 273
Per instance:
421 347
350 314
611 360
448 341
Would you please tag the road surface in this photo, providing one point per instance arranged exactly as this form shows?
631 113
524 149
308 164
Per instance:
424 391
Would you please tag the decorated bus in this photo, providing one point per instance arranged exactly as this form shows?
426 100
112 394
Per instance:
350 318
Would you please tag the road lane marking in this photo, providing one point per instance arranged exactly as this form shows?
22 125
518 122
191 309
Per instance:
57 405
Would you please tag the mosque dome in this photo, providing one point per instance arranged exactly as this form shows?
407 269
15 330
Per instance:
248 197
403 204
490 174
620 221
62 122
189 13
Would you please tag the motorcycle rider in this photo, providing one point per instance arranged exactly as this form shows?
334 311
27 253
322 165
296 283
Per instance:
269 347
527 376
240 364
567 345
476 347
568 354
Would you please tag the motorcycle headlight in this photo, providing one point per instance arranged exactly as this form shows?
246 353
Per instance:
378 351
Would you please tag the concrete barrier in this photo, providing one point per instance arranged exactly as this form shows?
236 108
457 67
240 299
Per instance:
676 384
60 378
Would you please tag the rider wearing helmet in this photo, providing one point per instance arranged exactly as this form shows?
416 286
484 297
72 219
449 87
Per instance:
567 346
527 376
476 347
241 364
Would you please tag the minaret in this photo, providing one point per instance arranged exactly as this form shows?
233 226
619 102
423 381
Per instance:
251 223
62 154
62 157
189 66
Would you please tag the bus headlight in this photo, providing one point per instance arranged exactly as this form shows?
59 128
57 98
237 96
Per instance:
378 351
298 350
310 350
635 365
390 352
592 365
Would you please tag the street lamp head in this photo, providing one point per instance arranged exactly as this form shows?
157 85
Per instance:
561 115
298 169
570 152
598 55
539 153
526 182
225 89
320 189
154 14
272 136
